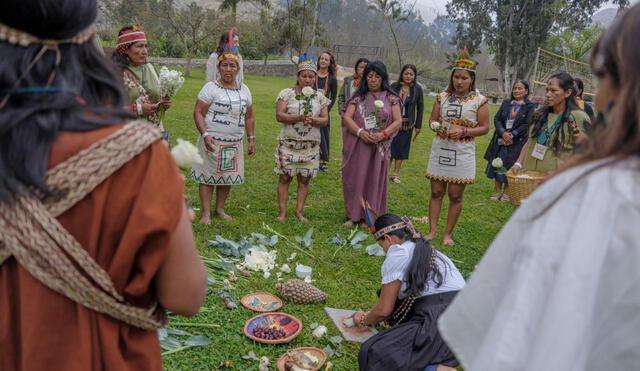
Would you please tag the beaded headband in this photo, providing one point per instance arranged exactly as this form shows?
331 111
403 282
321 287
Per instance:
306 63
464 62
24 39
405 223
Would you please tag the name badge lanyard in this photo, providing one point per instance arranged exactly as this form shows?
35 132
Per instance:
544 137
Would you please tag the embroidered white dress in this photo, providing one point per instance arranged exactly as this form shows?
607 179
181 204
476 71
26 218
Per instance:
454 160
298 148
224 121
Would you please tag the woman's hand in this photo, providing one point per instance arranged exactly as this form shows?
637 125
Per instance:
508 138
367 137
515 168
165 102
455 131
377 137
209 143
307 119
251 150
358 317
149 108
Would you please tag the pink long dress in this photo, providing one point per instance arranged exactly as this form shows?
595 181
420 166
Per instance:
365 167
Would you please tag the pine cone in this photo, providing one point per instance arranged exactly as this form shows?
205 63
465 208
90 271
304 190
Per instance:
300 292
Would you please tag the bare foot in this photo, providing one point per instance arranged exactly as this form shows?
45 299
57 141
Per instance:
348 223
301 217
430 236
281 217
222 215
205 220
447 240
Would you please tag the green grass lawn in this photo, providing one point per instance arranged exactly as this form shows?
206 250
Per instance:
350 278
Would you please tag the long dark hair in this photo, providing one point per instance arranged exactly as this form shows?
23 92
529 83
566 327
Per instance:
360 60
421 269
411 67
379 68
451 89
332 62
121 60
579 87
526 86
541 116
30 121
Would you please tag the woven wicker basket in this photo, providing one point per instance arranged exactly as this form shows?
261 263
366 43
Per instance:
521 187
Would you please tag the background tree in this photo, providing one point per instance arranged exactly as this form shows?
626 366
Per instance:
233 6
515 29
192 24
574 44
393 12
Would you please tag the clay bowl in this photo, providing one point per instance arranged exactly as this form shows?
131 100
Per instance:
261 302
316 352
290 324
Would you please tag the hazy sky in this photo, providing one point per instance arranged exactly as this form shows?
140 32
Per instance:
430 8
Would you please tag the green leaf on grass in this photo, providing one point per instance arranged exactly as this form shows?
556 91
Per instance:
336 339
169 343
313 325
359 237
251 355
198 341
173 331
375 250
162 333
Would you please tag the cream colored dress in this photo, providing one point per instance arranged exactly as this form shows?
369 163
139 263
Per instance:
298 150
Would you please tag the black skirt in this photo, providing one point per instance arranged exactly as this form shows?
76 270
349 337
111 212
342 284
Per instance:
414 344
401 145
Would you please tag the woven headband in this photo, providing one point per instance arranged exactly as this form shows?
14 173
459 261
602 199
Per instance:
22 38
25 39
131 37
308 66
405 223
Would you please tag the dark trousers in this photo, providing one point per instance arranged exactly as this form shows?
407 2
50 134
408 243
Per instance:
324 142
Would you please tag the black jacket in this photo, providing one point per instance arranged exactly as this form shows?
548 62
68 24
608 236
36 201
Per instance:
414 109
520 129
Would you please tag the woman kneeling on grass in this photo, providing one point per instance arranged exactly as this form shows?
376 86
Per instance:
302 111
418 283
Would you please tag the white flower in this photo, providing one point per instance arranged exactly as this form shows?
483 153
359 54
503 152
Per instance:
279 276
308 279
292 256
264 364
170 82
307 91
378 104
285 268
435 126
258 260
497 162
186 154
266 274
319 331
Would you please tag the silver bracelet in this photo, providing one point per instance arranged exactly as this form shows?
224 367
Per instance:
519 165
205 134
358 132
251 137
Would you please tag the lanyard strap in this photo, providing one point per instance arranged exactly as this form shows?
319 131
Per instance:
543 138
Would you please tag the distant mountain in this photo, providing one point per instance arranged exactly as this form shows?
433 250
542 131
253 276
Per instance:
605 17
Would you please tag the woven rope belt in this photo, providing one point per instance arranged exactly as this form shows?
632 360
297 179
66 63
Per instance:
30 232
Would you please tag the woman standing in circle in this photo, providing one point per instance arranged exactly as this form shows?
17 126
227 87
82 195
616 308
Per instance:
350 84
140 78
326 82
371 120
412 98
303 112
212 73
464 115
512 130
557 128
222 114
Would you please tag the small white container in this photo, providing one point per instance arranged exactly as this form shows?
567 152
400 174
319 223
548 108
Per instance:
303 271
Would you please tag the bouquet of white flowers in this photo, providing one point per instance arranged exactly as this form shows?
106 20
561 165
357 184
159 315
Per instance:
379 105
170 82
499 166
307 94
186 154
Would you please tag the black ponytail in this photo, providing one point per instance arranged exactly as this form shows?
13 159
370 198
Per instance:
423 267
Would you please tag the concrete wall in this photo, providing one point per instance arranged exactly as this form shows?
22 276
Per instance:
272 68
